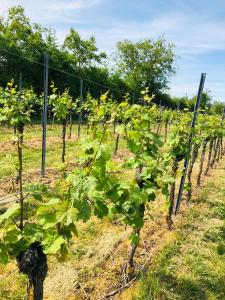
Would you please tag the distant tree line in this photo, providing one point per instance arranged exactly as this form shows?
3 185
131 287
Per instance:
136 66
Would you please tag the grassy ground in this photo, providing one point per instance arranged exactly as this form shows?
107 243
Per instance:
193 265
32 154
32 148
186 263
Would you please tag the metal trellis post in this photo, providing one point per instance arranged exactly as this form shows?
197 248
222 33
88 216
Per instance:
80 106
133 98
186 161
20 81
44 115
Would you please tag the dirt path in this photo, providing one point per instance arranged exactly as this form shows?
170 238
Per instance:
10 185
34 143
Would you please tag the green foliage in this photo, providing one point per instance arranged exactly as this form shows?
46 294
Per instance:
217 108
206 100
145 64
94 188
83 52
36 190
178 140
11 212
102 110
16 106
62 104
53 226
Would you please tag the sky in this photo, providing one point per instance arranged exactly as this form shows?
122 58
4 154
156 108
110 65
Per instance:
196 27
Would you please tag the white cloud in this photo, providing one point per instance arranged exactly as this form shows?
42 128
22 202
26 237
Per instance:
52 12
74 5
190 39
192 36
5 4
50 4
109 34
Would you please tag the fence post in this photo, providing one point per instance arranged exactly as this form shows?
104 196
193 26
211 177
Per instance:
186 161
80 106
44 113
133 98
20 81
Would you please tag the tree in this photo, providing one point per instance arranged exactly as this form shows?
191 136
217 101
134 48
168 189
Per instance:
16 28
83 52
145 64
206 100
217 108
22 48
29 42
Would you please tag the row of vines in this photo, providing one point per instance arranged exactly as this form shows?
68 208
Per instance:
156 142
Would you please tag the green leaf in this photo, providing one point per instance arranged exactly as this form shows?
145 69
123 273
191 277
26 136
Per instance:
101 209
134 238
151 194
134 147
4 258
55 246
53 201
12 235
48 220
11 212
33 232
20 245
71 216
120 129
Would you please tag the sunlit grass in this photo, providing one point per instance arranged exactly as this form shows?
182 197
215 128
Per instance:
193 266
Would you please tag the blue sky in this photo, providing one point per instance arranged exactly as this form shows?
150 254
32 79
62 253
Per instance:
196 27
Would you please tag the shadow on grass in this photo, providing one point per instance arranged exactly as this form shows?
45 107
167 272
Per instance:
166 286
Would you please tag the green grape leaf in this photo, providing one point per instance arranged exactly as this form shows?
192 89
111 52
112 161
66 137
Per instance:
101 209
120 129
11 212
134 238
4 257
55 245
48 220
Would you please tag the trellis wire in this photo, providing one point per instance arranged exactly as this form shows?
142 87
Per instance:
66 73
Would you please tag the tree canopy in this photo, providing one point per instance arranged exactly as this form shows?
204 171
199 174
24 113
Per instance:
135 67
145 64
84 52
